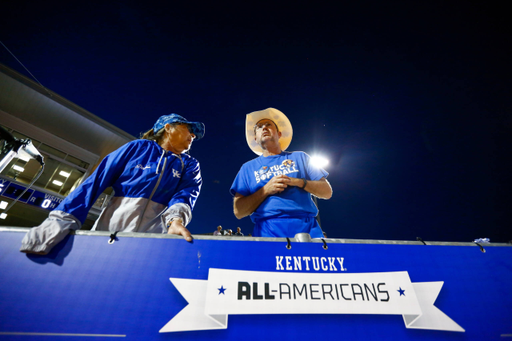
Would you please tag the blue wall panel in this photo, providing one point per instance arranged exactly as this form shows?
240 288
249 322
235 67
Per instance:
86 286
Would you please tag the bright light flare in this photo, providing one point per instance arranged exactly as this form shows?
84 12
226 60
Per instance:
57 182
3 215
319 161
3 205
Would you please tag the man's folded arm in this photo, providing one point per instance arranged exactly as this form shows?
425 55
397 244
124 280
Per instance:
319 188
244 206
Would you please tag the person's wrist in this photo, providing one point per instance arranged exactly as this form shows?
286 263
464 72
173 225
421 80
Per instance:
265 190
175 219
305 182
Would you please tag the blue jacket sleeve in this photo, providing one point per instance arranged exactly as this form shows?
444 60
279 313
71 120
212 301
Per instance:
79 202
190 185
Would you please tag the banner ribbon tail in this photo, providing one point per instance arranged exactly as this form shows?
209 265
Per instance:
431 317
192 317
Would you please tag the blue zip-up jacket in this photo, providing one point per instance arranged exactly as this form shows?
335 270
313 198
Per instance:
152 185
146 179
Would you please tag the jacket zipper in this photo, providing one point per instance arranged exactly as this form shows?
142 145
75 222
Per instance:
154 189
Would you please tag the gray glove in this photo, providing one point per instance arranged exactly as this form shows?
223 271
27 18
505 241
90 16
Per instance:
41 239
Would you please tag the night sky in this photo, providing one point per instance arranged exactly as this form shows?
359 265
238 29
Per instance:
410 101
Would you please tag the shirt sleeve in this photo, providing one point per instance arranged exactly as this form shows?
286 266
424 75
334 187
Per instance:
240 184
79 202
313 173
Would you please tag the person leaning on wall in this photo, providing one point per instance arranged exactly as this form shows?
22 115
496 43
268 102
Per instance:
156 185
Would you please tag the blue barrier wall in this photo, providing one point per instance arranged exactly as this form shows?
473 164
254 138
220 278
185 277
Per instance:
137 289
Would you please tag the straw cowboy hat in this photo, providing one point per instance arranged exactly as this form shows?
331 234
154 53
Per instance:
282 122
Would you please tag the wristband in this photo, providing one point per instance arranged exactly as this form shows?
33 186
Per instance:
173 219
305 183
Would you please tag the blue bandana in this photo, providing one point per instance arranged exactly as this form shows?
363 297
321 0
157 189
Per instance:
196 127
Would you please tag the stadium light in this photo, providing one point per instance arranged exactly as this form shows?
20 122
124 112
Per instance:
319 161
64 174
57 182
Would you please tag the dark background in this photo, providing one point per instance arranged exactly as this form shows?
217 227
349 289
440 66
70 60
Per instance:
410 101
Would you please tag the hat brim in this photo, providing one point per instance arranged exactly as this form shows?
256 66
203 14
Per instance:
280 119
197 129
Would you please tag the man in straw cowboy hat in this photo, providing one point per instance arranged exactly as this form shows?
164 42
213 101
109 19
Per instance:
276 187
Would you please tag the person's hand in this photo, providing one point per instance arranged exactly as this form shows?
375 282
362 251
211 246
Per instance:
277 184
177 227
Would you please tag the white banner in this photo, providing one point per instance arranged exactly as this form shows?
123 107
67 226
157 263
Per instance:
252 292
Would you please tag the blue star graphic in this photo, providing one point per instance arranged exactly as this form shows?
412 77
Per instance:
221 290
401 291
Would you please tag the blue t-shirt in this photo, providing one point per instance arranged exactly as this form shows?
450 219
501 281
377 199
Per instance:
293 201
